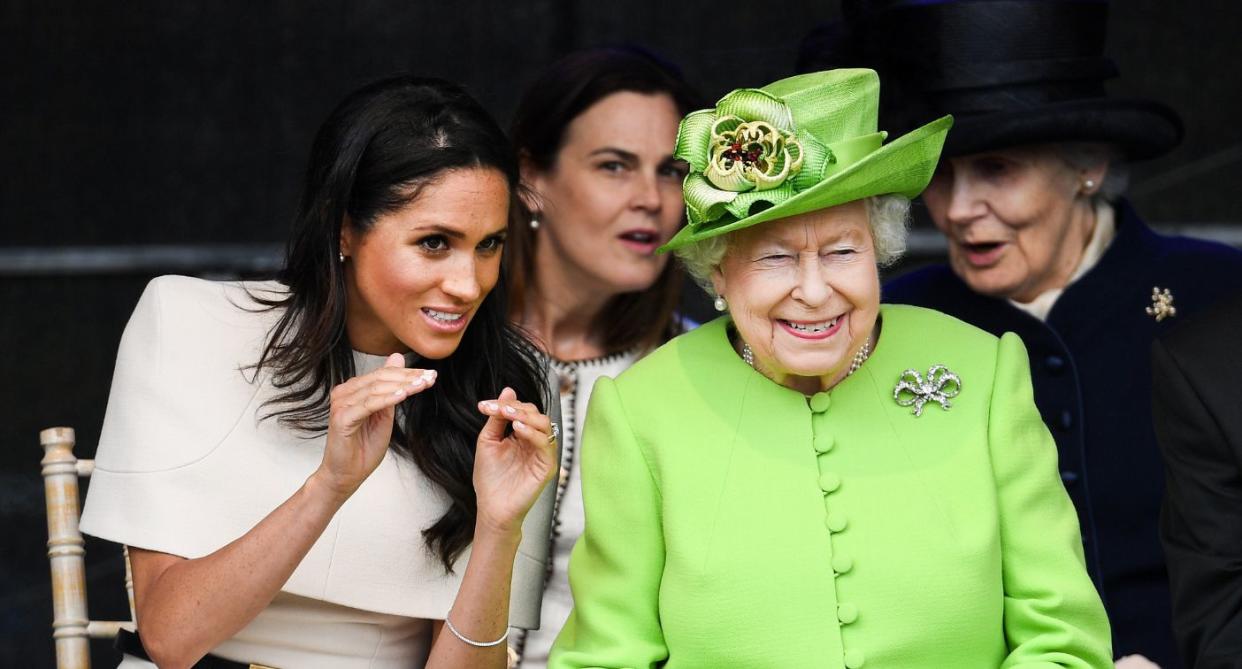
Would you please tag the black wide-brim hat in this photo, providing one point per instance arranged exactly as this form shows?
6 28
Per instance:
1011 72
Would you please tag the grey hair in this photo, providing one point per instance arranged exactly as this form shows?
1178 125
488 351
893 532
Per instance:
887 215
1088 155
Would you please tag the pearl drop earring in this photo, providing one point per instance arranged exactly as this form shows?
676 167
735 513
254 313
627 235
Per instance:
720 303
534 223
340 255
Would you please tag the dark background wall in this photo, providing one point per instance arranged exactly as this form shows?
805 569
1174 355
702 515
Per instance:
188 123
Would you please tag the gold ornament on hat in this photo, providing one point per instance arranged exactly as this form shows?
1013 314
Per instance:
752 155
1161 304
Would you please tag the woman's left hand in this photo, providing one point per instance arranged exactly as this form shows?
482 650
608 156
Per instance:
510 471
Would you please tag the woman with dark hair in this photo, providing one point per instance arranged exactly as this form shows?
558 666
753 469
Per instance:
595 137
329 468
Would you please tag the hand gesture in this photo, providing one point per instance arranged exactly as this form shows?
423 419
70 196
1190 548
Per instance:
510 472
360 421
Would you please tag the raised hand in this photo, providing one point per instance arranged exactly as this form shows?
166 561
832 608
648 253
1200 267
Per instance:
510 471
360 421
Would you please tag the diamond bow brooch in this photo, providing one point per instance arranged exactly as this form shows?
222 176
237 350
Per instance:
940 386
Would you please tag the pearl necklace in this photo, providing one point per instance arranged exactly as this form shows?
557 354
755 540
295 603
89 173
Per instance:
748 356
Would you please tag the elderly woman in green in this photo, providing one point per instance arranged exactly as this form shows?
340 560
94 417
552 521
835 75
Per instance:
815 480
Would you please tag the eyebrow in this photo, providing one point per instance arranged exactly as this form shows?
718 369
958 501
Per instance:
622 153
789 241
452 232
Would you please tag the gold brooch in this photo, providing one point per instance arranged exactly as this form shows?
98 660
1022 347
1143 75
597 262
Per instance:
1161 304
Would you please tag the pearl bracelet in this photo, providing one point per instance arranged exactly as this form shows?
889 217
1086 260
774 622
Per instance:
477 644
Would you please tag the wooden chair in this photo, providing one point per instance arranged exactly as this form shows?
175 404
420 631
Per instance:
72 630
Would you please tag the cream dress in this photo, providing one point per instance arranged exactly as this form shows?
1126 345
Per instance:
185 466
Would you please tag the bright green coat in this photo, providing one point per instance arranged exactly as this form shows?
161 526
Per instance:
730 522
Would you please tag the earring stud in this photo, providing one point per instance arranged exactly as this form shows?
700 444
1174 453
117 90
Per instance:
534 223
340 255
720 303
1088 184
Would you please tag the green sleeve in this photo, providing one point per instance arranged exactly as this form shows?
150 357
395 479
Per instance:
1053 615
615 568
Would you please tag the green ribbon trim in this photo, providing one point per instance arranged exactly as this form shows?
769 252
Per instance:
854 149
752 104
693 139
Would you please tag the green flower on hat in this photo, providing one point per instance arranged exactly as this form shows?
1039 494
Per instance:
743 153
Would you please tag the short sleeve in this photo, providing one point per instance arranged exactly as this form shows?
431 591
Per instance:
178 390
1053 616
616 567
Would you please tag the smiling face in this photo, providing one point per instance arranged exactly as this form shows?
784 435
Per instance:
1017 220
804 293
419 274
612 197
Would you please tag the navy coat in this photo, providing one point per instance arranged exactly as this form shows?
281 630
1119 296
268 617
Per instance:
1090 364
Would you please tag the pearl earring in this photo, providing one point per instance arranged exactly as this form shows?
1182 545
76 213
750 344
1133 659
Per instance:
720 303
534 223
1088 184
340 255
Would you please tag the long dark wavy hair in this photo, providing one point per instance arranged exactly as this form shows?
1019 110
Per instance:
563 92
370 158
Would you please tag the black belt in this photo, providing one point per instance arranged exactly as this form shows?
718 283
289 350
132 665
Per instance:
128 642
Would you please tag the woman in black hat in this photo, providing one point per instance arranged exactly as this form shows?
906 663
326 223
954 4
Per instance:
1042 243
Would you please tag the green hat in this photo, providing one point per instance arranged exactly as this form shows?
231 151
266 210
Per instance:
800 144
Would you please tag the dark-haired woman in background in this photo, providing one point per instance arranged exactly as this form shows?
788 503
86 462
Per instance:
330 469
595 137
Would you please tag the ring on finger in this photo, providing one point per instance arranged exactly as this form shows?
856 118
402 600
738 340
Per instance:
556 432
